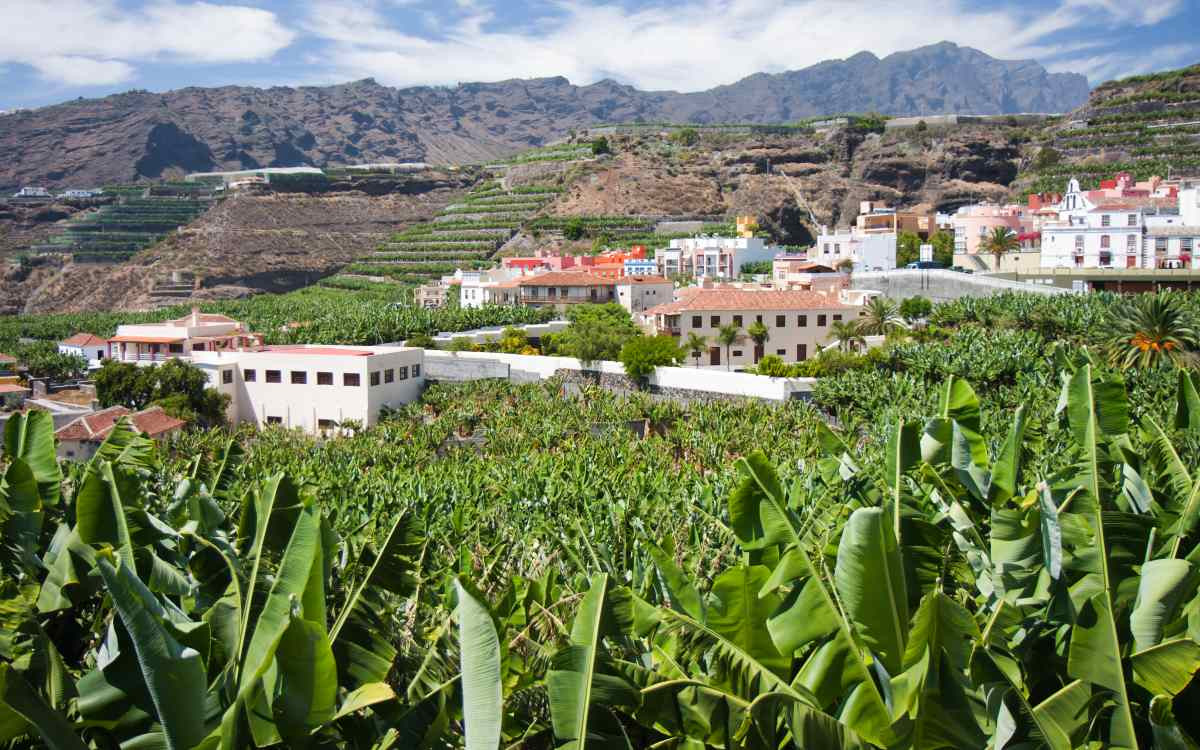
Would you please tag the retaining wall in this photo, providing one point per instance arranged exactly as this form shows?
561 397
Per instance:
940 284
679 383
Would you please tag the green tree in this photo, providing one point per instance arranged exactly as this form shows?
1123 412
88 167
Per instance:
513 340
760 334
573 230
1046 158
1149 330
642 354
600 146
756 267
908 249
685 136
880 316
696 346
847 335
179 387
728 335
596 333
943 247
916 307
44 360
999 241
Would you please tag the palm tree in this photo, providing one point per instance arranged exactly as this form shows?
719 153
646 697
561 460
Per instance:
760 334
1001 240
847 335
881 316
728 336
696 345
1149 330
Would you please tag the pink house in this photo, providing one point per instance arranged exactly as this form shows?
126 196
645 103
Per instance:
972 224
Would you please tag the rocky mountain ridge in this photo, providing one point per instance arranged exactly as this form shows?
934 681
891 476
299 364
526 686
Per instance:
141 135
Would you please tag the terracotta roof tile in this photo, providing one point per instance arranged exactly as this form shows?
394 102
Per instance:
7 358
96 426
12 388
85 339
566 278
645 280
745 299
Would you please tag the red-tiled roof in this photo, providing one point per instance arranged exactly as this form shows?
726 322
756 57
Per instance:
745 299
566 278
85 339
7 358
12 388
96 426
1131 203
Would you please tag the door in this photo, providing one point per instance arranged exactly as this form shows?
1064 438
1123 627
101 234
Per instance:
714 355
801 352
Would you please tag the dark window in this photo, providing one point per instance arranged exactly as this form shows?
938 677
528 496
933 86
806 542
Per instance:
821 320
374 377
781 352
802 321
737 320
715 321
697 321
351 379
274 376
737 352
389 375
403 373
274 420
416 371
249 375
836 318
176 348
299 377
758 318
326 424
1105 220
226 376
324 378
780 321
801 352
197 347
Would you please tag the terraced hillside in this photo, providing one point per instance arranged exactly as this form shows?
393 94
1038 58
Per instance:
1147 125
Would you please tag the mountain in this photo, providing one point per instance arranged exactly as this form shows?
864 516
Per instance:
143 135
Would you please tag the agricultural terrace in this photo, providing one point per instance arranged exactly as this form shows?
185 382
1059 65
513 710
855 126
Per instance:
947 563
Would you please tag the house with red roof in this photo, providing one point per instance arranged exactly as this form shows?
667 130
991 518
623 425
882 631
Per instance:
79 440
562 289
91 347
798 321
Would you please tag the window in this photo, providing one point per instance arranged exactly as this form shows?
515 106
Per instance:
821 320
1131 220
175 348
416 371
389 375
299 377
757 318
563 292
249 375
827 248
374 378
553 292
781 352
274 376
1160 244
1106 220
324 378
226 376
737 320
801 352
326 424
274 420
197 347
1131 243
1185 245
1079 243
1104 241
780 321
837 318
351 379
802 321
403 373
697 321
737 352
715 321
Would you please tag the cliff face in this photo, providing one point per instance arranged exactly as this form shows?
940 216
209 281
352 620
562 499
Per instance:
142 135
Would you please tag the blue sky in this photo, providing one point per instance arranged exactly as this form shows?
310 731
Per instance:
52 50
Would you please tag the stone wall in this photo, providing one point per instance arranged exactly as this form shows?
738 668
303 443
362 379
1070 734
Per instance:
941 285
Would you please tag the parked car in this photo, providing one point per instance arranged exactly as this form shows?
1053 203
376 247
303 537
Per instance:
925 264
961 269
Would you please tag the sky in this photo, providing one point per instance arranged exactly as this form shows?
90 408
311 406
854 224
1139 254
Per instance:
54 50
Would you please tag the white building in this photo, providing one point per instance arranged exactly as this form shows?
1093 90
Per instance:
494 286
198 332
78 194
314 388
867 251
32 192
712 257
87 345
641 267
1100 231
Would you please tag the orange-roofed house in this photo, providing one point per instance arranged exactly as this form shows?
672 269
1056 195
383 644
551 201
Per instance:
561 289
197 332
91 347
798 321
12 396
80 439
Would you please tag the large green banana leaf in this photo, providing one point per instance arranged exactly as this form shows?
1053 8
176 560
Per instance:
483 693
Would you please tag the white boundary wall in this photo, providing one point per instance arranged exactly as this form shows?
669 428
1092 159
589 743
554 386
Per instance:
461 366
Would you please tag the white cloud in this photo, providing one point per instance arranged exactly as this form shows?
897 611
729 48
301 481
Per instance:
98 42
1110 66
696 44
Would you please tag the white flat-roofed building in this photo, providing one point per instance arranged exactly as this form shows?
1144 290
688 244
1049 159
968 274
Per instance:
182 337
712 257
312 387
868 252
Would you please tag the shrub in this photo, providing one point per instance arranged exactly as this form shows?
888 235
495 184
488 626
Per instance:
641 355
600 146
1046 157
421 341
573 229
916 307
